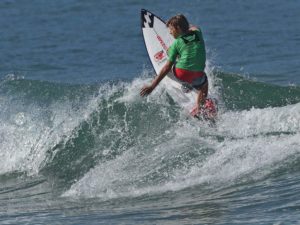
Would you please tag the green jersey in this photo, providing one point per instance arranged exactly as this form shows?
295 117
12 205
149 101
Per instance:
189 50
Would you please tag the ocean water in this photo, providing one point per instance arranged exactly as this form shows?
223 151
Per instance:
78 145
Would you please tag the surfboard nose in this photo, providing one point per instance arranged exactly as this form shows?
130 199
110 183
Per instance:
147 18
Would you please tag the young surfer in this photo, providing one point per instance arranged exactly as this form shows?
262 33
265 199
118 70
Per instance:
188 56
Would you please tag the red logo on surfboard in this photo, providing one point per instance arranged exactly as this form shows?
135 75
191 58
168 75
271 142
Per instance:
159 56
161 41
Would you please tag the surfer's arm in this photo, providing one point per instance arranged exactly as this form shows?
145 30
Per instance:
164 71
146 90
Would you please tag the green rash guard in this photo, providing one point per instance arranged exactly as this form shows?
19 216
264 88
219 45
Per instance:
190 50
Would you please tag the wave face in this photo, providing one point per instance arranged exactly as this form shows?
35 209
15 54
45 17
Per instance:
105 141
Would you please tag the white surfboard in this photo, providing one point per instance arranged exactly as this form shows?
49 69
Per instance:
157 40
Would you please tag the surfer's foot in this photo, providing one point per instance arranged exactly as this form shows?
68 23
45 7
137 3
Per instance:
207 110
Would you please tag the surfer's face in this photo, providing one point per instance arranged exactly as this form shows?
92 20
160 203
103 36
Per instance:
174 31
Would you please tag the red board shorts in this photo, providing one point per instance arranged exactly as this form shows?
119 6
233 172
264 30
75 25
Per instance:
194 78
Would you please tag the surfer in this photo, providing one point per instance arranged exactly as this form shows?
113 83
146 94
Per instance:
187 56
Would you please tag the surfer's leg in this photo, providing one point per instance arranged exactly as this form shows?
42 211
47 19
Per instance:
201 98
202 94
201 85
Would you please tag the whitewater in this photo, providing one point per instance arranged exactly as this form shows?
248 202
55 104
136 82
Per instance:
105 142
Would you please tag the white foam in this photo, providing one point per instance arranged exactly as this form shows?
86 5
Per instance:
260 121
253 144
27 132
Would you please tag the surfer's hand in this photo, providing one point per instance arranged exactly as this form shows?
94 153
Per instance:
146 90
192 28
